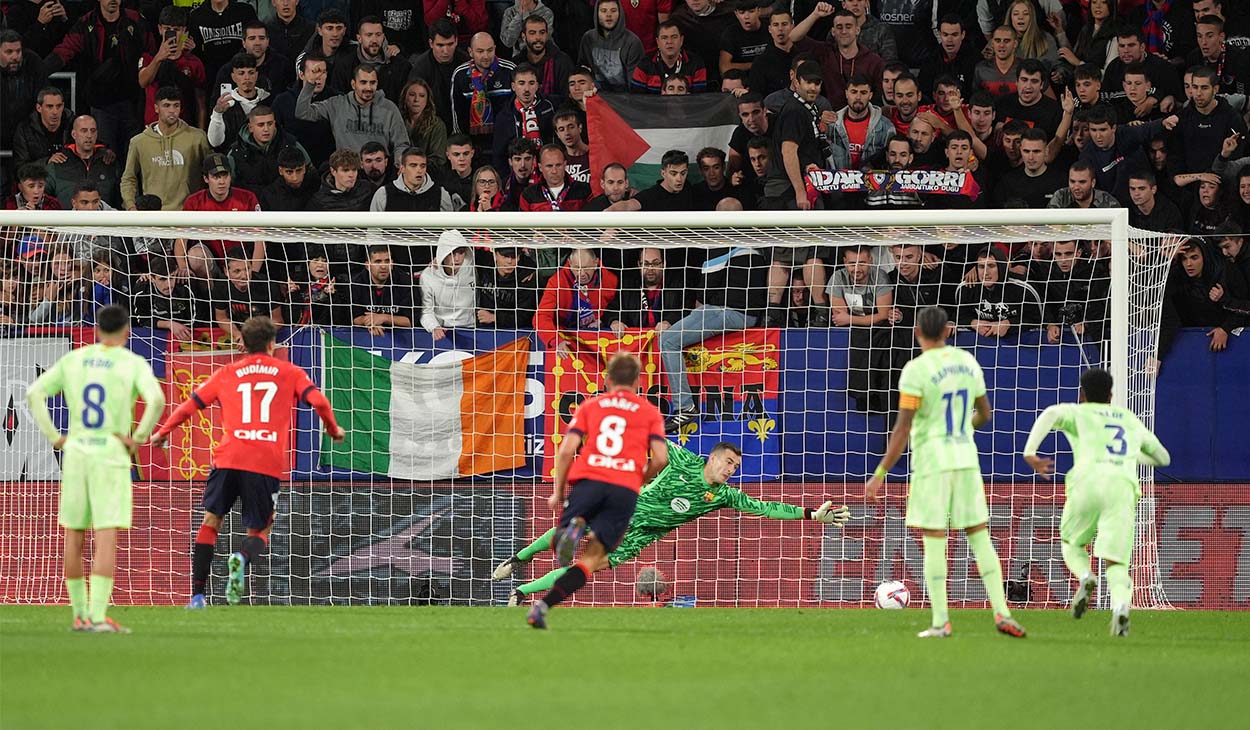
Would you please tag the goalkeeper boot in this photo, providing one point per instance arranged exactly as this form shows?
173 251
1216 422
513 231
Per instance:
109 626
1080 602
1009 626
567 544
1119 622
538 615
234 586
681 418
198 603
80 624
936 632
515 598
506 568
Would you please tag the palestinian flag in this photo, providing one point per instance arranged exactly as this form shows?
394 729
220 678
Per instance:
636 130
427 421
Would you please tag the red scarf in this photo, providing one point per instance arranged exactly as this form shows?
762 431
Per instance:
528 118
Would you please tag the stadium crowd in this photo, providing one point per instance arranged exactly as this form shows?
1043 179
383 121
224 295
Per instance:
477 105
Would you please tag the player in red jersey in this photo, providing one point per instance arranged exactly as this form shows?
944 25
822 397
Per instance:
614 433
256 393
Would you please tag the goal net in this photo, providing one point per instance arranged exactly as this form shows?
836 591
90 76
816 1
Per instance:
455 360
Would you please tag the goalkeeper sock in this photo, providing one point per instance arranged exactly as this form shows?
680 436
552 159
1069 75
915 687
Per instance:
202 559
543 542
575 577
935 577
253 546
77 588
990 569
1077 560
1120 584
543 583
101 593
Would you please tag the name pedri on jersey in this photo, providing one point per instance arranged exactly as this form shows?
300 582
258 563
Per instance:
256 393
617 429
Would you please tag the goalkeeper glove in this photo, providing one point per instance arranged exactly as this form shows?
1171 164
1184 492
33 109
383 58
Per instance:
827 514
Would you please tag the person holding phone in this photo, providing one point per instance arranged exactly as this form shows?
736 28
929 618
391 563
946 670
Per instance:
43 24
173 64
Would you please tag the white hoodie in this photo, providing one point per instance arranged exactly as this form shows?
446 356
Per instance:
448 300
217 121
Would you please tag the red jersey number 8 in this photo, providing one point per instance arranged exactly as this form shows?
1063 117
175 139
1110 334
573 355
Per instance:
611 436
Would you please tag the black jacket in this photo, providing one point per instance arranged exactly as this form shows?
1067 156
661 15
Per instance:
1187 301
507 128
512 298
736 279
277 195
633 307
438 76
17 96
254 166
32 142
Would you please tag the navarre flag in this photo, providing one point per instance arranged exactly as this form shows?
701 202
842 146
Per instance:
636 130
427 421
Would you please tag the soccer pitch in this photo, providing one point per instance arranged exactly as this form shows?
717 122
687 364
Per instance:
436 667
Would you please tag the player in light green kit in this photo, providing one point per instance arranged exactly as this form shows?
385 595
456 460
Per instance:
687 489
100 383
1108 442
942 401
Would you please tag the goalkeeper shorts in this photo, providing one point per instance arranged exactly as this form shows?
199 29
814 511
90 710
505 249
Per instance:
953 499
94 495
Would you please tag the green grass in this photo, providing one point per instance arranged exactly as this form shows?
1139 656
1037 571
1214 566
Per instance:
262 667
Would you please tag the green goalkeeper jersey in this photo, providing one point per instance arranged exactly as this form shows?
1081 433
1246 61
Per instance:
942 386
680 494
100 384
1102 436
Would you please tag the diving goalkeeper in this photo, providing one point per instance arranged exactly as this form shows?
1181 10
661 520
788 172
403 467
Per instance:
686 490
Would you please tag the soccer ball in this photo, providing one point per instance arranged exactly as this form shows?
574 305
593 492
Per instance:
651 583
893 594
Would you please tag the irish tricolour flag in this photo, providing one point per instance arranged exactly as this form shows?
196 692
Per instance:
450 418
636 130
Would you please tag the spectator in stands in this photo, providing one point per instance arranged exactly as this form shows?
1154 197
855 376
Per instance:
377 301
1167 28
615 186
516 19
1036 42
32 183
771 70
898 156
906 103
43 24
59 300
861 131
45 132
675 86
1203 125
275 72
1029 102
289 30
316 136
85 197
1095 44
231 110
670 194
1136 90
552 64
437 65
847 58
997 305
20 79
328 43
1232 244
556 191
1130 49
929 151
752 122
522 171
715 185
426 130
1149 210
84 161
174 65
1080 192
240 297
104 47
670 60
751 187
371 49
704 23
1115 151
1198 282
448 299
255 154
1034 182
468 16
375 164
457 178
1232 62
956 58
1209 209
732 296
359 116
650 299
480 90
14 303
485 195
218 196
1075 294
743 41
576 298
996 75
403 23
413 189
798 144
312 297
569 135
610 50
529 115
217 29
295 184
859 292
507 289
914 286
581 85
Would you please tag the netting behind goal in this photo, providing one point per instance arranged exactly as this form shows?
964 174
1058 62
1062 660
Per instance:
455 396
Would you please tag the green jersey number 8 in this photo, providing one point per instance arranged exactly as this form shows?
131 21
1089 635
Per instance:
93 405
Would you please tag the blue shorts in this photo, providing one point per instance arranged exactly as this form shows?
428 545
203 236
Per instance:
259 493
607 509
